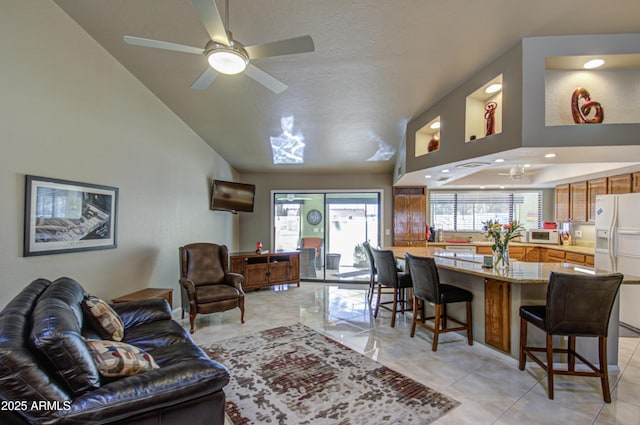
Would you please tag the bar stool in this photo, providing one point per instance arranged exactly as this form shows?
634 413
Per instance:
577 305
427 288
372 271
390 277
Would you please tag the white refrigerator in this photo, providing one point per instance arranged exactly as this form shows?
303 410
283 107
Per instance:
618 247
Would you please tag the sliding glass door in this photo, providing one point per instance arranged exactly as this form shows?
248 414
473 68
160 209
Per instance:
328 228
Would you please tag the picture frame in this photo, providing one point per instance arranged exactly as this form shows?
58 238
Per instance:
64 216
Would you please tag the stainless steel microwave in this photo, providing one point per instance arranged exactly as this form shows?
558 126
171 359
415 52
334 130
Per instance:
549 236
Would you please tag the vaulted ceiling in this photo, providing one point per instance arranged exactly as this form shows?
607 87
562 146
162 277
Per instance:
376 65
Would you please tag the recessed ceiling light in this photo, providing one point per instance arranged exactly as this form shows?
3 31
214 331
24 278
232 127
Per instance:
499 160
428 176
527 165
482 187
445 170
593 63
435 125
493 88
501 187
550 155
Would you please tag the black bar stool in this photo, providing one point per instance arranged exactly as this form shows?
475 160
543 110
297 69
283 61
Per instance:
577 305
427 288
372 271
390 277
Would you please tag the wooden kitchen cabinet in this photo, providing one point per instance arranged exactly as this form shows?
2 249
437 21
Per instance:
409 216
635 182
572 257
532 255
578 201
562 203
552 255
484 250
517 252
619 184
595 187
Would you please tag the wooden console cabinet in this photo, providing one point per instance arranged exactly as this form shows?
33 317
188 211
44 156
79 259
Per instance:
260 270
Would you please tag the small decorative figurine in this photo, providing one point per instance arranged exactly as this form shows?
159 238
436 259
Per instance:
580 112
258 247
489 115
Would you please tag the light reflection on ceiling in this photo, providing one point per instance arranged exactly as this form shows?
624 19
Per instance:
287 148
384 151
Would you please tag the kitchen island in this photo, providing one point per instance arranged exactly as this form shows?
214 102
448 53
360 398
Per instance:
498 295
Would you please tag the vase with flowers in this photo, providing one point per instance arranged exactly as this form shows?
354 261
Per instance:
501 235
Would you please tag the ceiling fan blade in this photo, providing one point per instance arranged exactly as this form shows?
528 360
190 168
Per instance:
205 79
283 47
265 79
212 21
165 45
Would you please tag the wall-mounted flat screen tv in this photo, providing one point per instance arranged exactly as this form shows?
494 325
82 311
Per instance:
232 196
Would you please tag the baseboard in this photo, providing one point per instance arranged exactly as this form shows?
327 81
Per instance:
631 328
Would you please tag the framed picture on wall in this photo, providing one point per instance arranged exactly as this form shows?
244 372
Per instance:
64 216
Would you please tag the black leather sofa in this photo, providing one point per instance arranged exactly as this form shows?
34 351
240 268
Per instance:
186 389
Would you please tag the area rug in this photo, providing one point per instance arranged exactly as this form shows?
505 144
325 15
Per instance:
295 375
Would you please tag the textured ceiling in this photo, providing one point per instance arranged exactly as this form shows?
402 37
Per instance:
377 64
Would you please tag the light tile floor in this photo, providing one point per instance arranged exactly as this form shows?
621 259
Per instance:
488 384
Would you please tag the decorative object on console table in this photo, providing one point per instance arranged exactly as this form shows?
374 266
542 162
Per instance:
581 112
490 116
501 235
258 247
87 221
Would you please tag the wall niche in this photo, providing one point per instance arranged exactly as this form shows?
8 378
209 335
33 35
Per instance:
428 138
613 87
483 115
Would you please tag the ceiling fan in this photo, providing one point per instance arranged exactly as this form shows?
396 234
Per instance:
291 197
226 55
515 173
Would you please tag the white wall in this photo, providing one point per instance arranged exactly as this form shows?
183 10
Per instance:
68 110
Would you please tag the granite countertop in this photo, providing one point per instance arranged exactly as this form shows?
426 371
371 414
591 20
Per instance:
578 249
520 272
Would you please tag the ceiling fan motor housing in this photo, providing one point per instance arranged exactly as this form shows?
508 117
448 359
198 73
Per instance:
516 173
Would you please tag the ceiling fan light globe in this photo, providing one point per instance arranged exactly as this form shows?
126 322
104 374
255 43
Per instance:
228 61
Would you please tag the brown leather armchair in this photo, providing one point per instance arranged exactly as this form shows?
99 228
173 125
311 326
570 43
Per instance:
206 285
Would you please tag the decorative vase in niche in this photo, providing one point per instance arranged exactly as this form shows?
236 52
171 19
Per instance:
501 257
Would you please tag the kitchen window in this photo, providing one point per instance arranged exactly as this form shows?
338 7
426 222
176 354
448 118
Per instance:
465 211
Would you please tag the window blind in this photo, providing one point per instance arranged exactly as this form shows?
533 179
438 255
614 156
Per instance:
465 211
